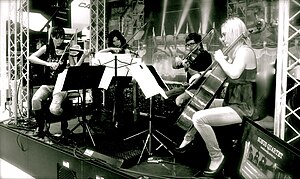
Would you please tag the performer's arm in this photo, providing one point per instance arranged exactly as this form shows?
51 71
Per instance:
34 58
178 63
111 49
83 56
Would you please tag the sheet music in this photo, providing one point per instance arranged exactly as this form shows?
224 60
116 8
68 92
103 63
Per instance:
106 78
146 80
60 81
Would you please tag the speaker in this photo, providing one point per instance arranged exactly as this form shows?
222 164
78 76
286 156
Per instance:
104 158
65 173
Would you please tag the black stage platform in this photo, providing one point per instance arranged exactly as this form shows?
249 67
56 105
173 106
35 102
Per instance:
111 157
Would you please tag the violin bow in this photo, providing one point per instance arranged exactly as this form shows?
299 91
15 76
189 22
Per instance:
134 35
67 46
196 47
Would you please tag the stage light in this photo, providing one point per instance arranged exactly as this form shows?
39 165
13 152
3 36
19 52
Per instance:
205 6
36 21
163 17
185 11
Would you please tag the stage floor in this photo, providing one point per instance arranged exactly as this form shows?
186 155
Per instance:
161 162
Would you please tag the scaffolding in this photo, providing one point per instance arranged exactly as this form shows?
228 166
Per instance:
237 8
287 61
286 114
97 25
18 66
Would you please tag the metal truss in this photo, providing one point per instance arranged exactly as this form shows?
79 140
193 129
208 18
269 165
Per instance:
287 110
97 24
287 118
237 8
133 19
18 51
18 66
138 14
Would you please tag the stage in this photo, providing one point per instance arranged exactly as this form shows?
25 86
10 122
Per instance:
111 151
75 156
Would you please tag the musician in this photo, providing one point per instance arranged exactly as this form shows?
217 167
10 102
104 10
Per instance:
198 60
116 44
241 68
55 57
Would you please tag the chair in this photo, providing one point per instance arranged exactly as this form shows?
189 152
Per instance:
73 100
75 97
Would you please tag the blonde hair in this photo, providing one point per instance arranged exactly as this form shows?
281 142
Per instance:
234 27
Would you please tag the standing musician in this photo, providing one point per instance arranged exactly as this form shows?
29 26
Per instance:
198 60
56 56
241 68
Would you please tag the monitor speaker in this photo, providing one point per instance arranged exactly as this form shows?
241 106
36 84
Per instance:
65 173
116 162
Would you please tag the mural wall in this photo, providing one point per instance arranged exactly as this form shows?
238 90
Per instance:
163 44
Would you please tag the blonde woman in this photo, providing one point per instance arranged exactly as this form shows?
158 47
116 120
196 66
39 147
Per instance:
239 102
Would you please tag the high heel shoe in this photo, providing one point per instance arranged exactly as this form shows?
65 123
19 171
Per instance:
210 173
182 150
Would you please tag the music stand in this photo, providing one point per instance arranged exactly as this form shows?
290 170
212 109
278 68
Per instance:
80 77
118 66
152 86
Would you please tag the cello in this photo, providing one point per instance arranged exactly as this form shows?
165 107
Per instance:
207 90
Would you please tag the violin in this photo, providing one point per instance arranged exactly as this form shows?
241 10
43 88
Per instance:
190 57
61 57
75 50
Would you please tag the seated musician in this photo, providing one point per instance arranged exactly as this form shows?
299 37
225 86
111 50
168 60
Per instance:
54 56
240 99
116 44
198 60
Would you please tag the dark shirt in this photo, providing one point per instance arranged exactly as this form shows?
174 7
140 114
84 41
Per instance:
51 75
200 63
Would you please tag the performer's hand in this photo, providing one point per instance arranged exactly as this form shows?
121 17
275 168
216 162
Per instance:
87 52
53 65
115 49
218 56
185 84
142 52
185 63
194 77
